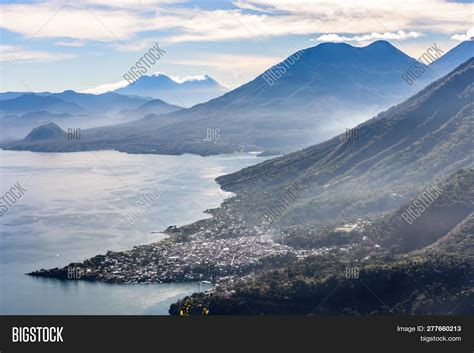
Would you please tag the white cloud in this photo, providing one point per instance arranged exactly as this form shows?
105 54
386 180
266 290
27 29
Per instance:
73 43
230 61
129 3
106 87
125 4
400 35
466 36
124 20
366 16
14 53
135 44
180 79
51 21
226 66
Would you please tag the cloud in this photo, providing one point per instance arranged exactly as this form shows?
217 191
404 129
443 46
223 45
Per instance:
180 79
136 44
466 36
366 16
128 3
106 87
125 20
400 35
124 4
230 61
74 43
81 23
231 69
14 53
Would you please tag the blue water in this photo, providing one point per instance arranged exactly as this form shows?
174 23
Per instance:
74 208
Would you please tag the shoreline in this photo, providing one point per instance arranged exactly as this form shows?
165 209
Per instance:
168 259
200 258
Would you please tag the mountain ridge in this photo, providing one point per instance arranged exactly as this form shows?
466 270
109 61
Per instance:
248 120
185 93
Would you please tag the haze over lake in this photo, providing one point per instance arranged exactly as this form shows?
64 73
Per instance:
74 209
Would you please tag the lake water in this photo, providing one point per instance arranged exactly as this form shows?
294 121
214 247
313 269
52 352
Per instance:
74 208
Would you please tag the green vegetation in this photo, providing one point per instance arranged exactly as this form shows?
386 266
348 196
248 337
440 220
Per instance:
454 204
432 285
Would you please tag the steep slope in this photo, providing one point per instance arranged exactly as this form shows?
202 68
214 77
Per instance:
455 57
394 156
459 240
440 208
437 279
329 70
431 285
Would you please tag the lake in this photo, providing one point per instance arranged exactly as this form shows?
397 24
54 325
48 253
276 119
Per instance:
74 208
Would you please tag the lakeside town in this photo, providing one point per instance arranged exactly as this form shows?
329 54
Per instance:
200 258
219 249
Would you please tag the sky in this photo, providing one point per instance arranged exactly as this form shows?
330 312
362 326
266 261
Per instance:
89 45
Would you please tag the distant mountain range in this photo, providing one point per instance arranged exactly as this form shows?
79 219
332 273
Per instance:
185 93
326 90
21 112
30 102
69 102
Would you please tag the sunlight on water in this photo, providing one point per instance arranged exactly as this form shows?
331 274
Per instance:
74 208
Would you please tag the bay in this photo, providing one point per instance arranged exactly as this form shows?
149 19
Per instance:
74 207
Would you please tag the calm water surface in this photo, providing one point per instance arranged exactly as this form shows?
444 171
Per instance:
74 209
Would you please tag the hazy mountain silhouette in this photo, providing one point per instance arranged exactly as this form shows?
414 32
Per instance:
453 58
30 102
155 106
186 93
46 132
324 91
